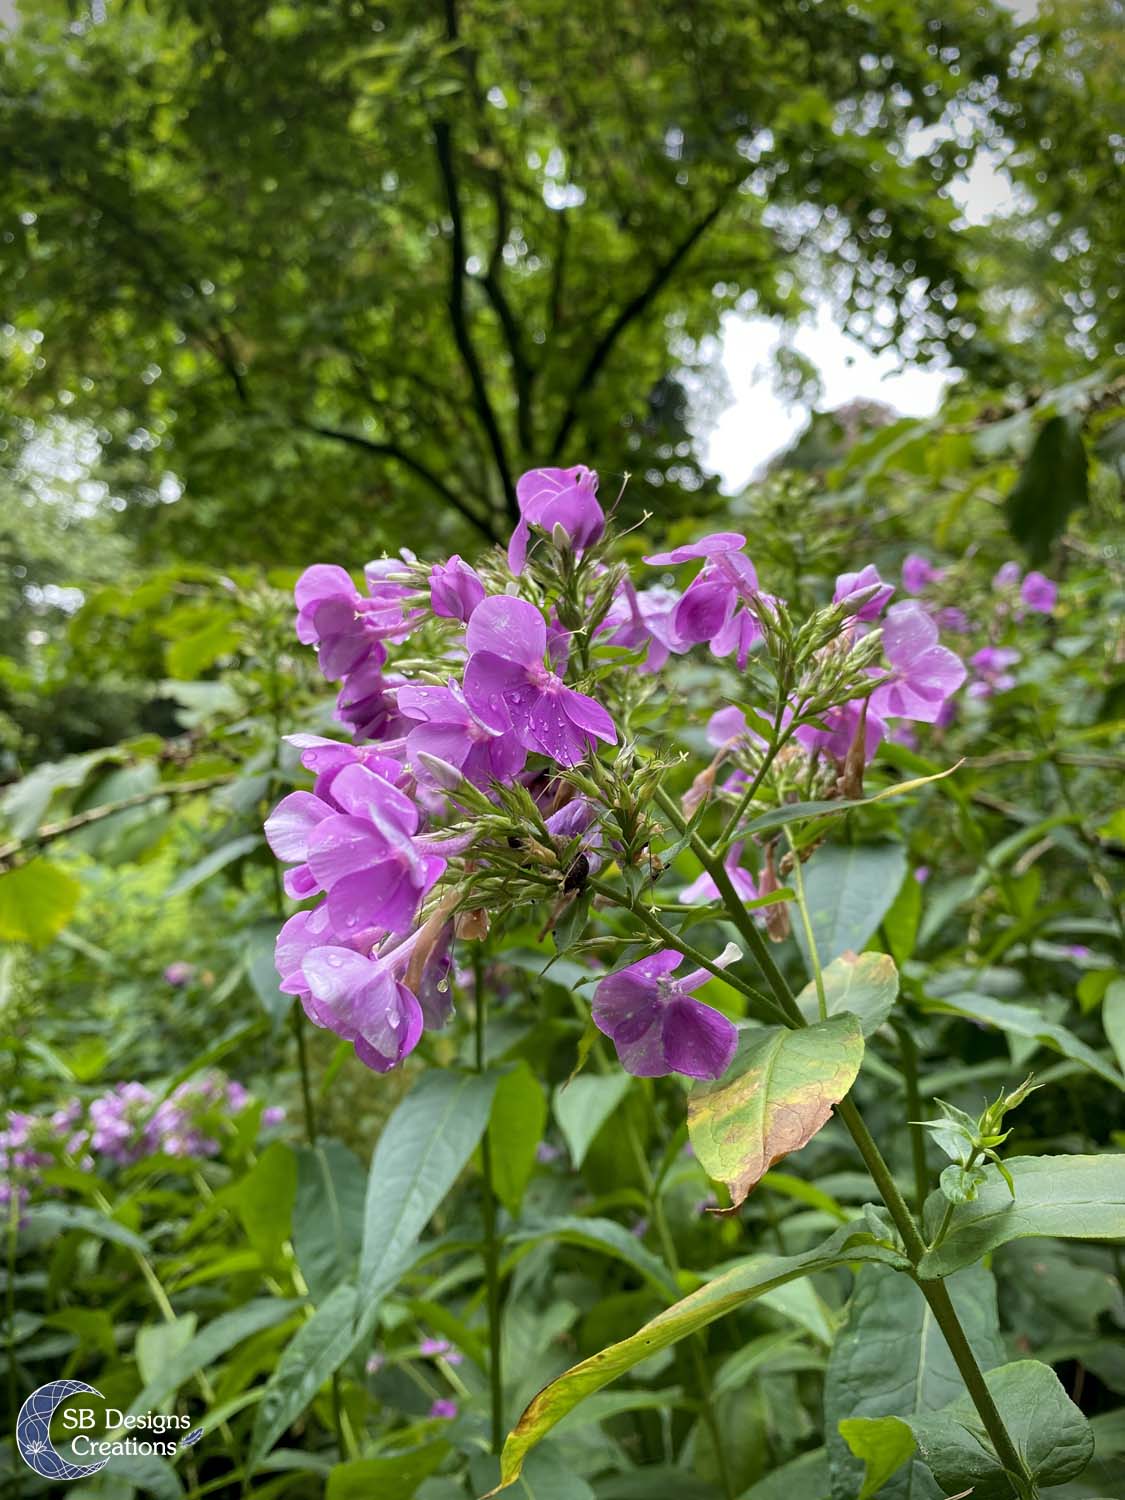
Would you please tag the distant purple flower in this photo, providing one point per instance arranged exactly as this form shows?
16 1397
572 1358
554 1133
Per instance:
545 1153
550 498
444 1409
657 1026
1007 576
850 584
918 573
443 725
644 617
509 687
990 665
842 726
1078 950
455 589
179 973
1039 593
954 620
924 675
703 887
715 605
726 724
273 1114
921 873
440 1349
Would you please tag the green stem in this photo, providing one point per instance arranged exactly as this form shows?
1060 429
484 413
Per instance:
298 1016
908 1051
491 1244
806 923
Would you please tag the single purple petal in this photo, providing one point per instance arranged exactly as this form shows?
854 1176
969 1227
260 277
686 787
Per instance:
509 628
290 825
707 546
697 1041
499 691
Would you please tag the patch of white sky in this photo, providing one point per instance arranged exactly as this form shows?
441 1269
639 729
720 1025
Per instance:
759 420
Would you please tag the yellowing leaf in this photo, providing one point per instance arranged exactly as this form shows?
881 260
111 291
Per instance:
37 900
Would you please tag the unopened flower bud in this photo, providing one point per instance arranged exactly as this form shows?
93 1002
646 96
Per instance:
776 917
447 776
472 925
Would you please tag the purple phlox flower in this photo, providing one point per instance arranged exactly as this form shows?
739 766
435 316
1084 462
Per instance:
727 724
358 847
272 1115
905 734
842 725
643 617
556 498
1039 593
545 1153
573 819
715 605
703 888
510 688
444 1409
329 617
64 1119
434 991
921 873
1007 576
656 1024
918 573
237 1096
990 664
924 675
387 587
178 973
366 704
848 585
325 758
954 620
455 589
430 1348
364 1001
443 725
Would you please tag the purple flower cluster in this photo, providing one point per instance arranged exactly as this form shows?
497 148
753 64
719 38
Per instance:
120 1127
504 696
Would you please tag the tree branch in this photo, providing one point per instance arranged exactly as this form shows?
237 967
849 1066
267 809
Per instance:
416 467
632 310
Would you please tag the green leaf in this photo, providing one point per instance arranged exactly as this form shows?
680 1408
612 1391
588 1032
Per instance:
1113 1019
849 889
515 1128
884 1444
210 1344
546 1476
37 900
212 863
1066 1197
800 812
58 1218
158 1343
1050 1433
865 984
328 1216
192 654
582 1107
890 1360
901 921
1022 1021
803 1478
265 1199
25 803
1051 483
392 1478
312 1356
418 1157
723 1295
606 1236
259 946
775 1096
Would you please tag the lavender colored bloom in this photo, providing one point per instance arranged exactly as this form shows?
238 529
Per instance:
850 584
726 724
440 1349
656 1024
924 675
364 1001
366 703
955 620
443 725
444 1409
179 973
1007 576
714 606
273 1114
918 573
921 873
455 589
842 727
511 690
647 617
991 665
545 1153
1039 593
703 887
556 498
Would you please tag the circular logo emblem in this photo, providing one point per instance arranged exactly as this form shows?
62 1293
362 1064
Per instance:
33 1431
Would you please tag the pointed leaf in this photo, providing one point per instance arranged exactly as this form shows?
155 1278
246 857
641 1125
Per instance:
515 1128
1068 1197
1022 1021
582 1107
775 1096
866 984
849 888
884 1444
